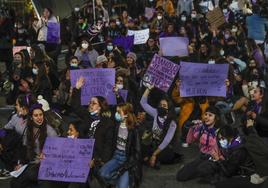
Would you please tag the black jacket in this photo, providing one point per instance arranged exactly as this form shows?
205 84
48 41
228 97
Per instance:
133 154
103 134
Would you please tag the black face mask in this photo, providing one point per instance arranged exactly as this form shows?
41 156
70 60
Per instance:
162 111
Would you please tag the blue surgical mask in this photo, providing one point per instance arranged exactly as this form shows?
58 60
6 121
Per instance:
118 117
224 143
110 47
93 113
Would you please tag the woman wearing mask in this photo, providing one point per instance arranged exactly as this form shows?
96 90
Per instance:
11 145
160 149
86 54
37 132
205 133
124 169
42 84
98 124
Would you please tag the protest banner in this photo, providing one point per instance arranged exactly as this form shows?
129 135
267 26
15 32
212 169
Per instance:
161 73
199 79
53 32
98 82
149 12
215 18
174 46
125 42
140 36
112 98
69 163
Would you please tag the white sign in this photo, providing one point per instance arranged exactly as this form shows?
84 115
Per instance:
140 36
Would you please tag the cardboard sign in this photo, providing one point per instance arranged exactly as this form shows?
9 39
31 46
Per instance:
98 82
140 36
161 73
66 159
174 46
215 17
198 79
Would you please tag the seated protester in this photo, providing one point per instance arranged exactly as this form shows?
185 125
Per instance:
18 120
42 82
160 149
98 124
124 169
38 129
14 131
258 151
257 110
227 163
52 116
204 132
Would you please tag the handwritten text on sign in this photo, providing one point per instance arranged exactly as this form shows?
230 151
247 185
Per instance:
66 159
199 79
140 36
98 82
161 73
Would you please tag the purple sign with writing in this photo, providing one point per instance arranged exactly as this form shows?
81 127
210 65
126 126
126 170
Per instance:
53 32
69 163
161 73
112 98
198 79
174 46
98 82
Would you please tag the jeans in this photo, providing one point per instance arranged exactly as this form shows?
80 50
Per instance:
108 170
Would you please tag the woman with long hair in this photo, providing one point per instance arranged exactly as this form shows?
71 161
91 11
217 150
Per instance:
124 169
37 131
164 127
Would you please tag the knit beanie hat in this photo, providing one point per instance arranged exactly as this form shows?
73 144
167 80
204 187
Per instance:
45 105
132 55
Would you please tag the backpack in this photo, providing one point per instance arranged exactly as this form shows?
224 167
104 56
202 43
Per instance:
55 121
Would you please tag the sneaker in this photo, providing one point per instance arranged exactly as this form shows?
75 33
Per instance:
4 174
185 145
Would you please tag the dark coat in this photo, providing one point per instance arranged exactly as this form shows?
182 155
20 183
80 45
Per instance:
104 133
133 154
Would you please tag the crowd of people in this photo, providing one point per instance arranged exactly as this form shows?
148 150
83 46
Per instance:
146 128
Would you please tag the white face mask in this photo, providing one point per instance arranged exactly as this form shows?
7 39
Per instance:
72 136
224 143
117 23
211 62
183 18
110 47
234 30
224 11
119 86
193 16
76 9
35 71
222 52
84 45
159 17
94 113
74 65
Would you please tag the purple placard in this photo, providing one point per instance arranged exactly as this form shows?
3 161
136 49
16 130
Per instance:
161 72
174 46
112 98
53 32
125 42
69 163
98 82
199 79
